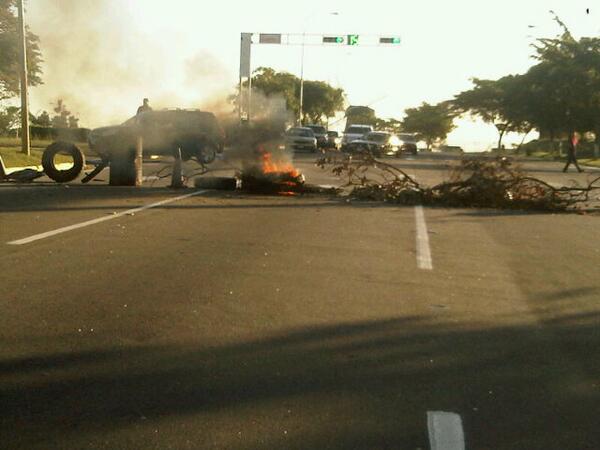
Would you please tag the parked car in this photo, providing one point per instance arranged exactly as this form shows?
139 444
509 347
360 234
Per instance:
334 140
354 132
379 143
320 134
408 143
300 138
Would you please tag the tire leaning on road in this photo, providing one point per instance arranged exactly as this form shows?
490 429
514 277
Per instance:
53 172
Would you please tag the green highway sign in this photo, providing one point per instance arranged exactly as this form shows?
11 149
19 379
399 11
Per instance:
389 40
353 39
333 39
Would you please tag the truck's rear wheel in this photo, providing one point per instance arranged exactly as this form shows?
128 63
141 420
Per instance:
64 148
206 154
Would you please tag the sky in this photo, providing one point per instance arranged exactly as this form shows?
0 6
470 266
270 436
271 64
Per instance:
103 56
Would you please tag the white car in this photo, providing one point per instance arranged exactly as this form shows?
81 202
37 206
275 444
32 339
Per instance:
300 138
354 132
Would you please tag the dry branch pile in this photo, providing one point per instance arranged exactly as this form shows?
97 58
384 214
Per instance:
475 182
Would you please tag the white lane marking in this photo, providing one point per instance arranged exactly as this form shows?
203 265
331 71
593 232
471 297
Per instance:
37 237
445 431
423 250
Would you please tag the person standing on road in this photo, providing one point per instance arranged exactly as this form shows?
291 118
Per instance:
145 107
572 153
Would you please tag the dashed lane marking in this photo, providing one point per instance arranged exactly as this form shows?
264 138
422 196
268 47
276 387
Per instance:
423 251
87 223
445 431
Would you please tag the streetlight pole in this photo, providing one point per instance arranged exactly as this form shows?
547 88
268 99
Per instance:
25 147
302 81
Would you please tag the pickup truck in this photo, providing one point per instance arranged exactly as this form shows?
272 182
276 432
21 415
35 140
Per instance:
197 134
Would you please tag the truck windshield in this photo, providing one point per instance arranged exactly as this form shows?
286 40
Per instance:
320 130
357 130
300 132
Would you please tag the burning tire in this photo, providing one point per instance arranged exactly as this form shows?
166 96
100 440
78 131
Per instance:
53 172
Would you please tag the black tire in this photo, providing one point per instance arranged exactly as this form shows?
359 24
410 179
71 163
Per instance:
63 176
206 154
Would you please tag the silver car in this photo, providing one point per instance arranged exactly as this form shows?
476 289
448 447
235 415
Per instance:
300 138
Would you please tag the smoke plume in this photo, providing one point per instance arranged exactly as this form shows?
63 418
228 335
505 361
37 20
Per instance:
102 64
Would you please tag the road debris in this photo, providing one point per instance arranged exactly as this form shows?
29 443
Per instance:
474 182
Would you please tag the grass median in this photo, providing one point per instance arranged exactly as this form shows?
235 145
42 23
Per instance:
10 151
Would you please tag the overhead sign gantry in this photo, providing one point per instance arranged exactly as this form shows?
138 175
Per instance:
295 39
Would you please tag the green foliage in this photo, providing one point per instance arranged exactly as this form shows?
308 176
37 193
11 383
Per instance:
63 118
391 125
10 118
9 52
272 84
566 83
502 102
560 94
43 120
320 98
430 122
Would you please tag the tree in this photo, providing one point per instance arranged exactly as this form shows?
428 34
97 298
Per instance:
43 120
9 52
566 83
430 122
499 102
10 119
320 98
560 94
63 118
391 125
278 84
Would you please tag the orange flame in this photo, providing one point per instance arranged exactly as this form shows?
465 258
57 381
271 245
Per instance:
270 166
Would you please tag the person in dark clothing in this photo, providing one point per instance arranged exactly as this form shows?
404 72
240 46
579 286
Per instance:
145 107
572 154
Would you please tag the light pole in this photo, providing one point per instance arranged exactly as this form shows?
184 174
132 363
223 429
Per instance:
334 13
25 148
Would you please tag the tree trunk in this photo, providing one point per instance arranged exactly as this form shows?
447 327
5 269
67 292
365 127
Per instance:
553 142
500 139
523 140
597 144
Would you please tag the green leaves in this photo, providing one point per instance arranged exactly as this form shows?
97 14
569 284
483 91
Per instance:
430 122
320 98
559 94
9 53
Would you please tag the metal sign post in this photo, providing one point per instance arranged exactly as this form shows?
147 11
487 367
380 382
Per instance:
245 88
25 146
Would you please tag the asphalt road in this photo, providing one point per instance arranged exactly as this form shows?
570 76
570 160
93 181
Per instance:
223 320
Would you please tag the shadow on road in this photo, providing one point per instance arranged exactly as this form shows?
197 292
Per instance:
357 385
